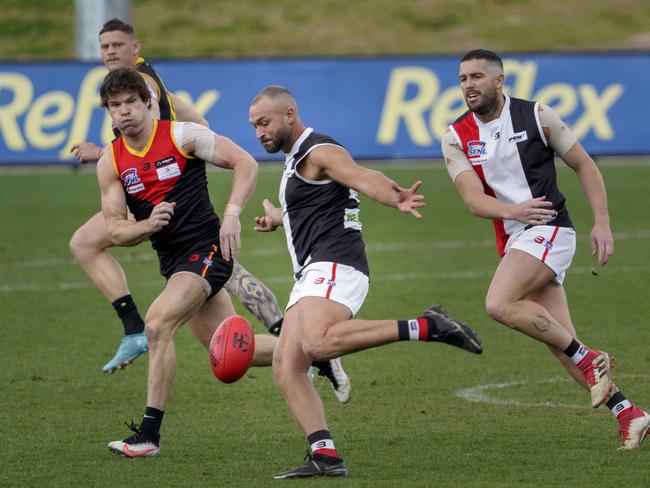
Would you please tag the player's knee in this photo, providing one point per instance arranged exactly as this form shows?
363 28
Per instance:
281 371
321 349
157 330
496 309
77 245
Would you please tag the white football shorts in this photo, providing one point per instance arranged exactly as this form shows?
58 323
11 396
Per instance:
333 281
554 246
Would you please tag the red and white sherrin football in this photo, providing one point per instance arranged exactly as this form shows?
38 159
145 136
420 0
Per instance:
232 348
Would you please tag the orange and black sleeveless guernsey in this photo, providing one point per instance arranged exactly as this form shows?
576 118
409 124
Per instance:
167 111
162 172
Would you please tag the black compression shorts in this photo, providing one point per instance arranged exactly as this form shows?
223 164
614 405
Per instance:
206 261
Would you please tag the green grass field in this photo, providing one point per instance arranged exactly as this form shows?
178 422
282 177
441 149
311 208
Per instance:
44 29
407 424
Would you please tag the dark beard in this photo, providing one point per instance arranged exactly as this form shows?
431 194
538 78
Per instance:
280 140
489 106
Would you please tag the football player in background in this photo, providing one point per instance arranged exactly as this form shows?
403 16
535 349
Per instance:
500 155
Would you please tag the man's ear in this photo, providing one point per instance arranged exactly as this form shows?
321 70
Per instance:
500 79
290 114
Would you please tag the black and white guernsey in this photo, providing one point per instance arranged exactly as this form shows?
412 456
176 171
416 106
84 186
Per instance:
320 218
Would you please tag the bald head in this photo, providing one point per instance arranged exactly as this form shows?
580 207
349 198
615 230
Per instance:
279 96
274 115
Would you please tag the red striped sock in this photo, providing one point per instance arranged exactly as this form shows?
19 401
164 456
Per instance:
321 443
413 329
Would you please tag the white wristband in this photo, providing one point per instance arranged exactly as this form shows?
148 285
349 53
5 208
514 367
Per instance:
232 210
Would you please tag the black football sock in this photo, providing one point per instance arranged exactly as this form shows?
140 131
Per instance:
414 329
321 444
151 422
617 403
576 351
127 311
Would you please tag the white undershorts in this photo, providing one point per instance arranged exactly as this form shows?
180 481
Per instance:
333 281
553 246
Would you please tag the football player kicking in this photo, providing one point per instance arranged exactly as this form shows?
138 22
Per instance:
320 214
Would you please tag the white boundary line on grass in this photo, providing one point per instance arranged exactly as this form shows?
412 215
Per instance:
381 247
481 393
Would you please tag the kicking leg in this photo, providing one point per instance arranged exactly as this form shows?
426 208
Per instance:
260 300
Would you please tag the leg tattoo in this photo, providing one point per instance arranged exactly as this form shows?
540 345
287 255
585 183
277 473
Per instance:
542 323
254 295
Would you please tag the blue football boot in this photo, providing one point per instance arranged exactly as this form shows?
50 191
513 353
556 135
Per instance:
131 346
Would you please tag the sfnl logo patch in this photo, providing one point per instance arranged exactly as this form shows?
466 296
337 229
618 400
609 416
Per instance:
476 149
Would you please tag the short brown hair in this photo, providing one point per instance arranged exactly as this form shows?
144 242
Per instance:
117 25
124 80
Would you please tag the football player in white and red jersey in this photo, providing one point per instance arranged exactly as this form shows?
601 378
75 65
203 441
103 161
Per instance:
500 155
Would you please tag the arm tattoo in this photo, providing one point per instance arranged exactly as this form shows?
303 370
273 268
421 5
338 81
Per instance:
254 295
542 323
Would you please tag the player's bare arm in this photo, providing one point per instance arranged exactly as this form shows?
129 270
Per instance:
536 211
223 152
593 186
334 162
562 140
125 232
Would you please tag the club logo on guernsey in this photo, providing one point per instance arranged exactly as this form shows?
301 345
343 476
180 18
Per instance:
476 149
131 181
130 176
319 281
